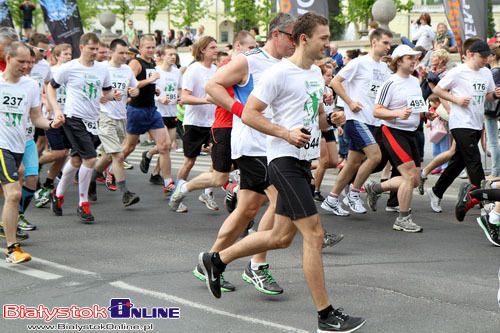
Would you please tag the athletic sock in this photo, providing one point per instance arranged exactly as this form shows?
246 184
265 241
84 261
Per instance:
122 186
377 188
323 314
49 183
209 191
494 218
68 174
218 262
403 214
148 155
26 196
183 187
84 178
255 265
167 181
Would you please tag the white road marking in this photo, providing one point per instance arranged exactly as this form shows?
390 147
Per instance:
177 300
23 269
64 267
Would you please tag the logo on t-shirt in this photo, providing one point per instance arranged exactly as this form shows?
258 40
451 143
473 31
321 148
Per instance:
315 92
91 86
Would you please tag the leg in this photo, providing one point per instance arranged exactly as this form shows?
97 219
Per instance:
12 194
373 157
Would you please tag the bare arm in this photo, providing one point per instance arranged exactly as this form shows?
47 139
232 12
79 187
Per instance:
188 98
136 67
382 113
39 121
493 95
444 94
52 99
340 91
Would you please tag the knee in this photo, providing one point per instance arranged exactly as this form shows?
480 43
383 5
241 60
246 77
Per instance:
413 179
282 241
119 157
14 196
163 147
375 158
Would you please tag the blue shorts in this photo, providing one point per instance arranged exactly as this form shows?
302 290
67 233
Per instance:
30 159
141 120
359 134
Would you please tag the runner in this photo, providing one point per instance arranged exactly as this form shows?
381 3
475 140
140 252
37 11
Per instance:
113 117
86 81
20 96
248 148
294 90
357 84
221 132
399 103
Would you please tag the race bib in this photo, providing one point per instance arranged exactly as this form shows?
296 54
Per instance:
311 149
30 129
416 103
373 89
478 92
12 106
149 72
171 92
92 127
61 96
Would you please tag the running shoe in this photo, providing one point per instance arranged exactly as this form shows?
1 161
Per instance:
15 254
176 197
231 199
214 274
248 230
169 189
464 201
262 279
330 240
145 161
42 197
20 235
148 143
406 224
209 201
127 165
84 213
354 202
130 198
421 188
225 286
110 181
435 201
24 224
337 321
392 209
56 203
371 196
100 177
318 197
156 180
491 231
182 208
333 205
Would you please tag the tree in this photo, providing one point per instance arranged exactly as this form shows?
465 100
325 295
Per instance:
88 12
491 22
17 15
336 28
188 12
265 13
123 9
153 7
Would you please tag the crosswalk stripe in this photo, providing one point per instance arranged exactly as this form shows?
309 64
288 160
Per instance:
23 269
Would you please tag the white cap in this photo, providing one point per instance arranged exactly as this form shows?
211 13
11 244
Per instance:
403 50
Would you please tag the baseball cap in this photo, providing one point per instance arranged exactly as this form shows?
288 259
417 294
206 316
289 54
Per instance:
480 47
403 50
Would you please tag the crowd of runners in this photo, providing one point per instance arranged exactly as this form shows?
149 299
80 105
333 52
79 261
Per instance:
270 115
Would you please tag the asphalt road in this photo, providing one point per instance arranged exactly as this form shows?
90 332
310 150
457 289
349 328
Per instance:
442 280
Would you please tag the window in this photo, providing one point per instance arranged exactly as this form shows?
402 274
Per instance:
224 37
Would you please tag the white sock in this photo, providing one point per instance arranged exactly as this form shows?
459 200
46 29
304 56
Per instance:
423 174
167 181
209 190
68 174
84 178
494 185
332 198
255 265
182 184
494 217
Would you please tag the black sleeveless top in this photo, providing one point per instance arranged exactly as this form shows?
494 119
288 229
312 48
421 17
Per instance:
146 97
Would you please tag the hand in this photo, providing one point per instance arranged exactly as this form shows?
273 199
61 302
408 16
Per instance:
297 138
355 106
117 95
164 100
327 98
153 77
338 118
462 101
431 115
157 92
404 113
497 92
133 92
58 121
340 131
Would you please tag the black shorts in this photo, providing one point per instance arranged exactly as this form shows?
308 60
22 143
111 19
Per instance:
194 138
221 149
402 146
292 179
82 142
9 166
170 122
253 173
329 135
57 139
38 133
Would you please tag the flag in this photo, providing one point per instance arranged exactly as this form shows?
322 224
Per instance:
5 18
63 19
467 18
299 7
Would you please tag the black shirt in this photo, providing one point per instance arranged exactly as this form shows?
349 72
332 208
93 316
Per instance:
146 97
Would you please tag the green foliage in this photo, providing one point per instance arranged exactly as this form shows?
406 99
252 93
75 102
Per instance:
491 22
360 11
336 28
153 7
17 15
123 9
188 12
248 14
88 12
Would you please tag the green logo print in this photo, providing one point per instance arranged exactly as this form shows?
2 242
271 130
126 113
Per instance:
311 106
90 89
13 119
170 87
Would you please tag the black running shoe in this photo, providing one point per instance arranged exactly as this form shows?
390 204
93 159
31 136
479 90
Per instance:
262 279
144 165
156 180
337 321
84 213
56 203
330 240
209 270
464 201
318 197
225 286
130 198
20 235
490 230
92 194
248 229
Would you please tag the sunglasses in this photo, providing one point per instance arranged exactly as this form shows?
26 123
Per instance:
286 33
40 49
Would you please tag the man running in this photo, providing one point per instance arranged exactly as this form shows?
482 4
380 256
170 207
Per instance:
294 91
86 81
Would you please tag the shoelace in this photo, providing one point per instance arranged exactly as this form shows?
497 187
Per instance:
268 277
340 315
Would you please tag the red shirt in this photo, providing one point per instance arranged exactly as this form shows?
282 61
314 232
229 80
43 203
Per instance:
224 118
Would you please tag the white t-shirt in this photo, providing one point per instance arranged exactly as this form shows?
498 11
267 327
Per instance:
424 36
194 80
246 141
83 88
16 101
121 79
397 93
294 95
363 76
463 81
41 73
169 84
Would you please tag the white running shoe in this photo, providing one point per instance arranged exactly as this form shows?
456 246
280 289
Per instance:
333 205
435 201
354 202
209 201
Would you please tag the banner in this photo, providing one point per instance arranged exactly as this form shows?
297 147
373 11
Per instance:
299 7
5 18
467 18
63 19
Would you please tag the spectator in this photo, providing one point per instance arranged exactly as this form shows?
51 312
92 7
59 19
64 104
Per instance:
200 33
492 113
337 57
185 39
495 38
445 39
171 37
422 33
159 37
27 8
254 31
131 34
